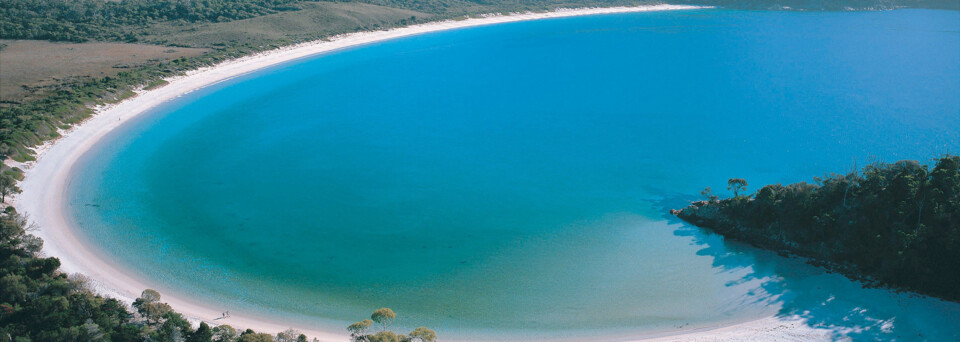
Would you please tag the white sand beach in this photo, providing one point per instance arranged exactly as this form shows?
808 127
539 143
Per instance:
46 180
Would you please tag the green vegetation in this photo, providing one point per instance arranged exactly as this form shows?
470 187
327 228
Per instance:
129 20
8 186
889 224
736 185
39 303
31 123
79 21
384 316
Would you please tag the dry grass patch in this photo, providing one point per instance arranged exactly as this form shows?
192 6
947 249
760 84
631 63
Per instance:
28 68
314 21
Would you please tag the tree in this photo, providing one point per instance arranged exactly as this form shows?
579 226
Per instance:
14 288
422 334
90 331
383 316
150 307
289 335
358 330
737 185
385 336
252 336
203 334
224 333
4 151
708 193
150 296
8 186
174 327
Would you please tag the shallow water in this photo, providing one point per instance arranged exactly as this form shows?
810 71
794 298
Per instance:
512 181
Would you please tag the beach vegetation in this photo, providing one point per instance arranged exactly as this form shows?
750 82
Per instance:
8 186
360 328
150 307
895 225
422 334
385 336
40 303
384 316
203 334
252 336
224 333
291 335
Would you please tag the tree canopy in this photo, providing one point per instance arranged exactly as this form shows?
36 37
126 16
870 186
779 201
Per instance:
893 224
383 316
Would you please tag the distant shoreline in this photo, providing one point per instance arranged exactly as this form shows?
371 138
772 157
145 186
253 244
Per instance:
46 180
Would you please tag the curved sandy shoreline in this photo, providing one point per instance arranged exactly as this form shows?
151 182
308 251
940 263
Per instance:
46 180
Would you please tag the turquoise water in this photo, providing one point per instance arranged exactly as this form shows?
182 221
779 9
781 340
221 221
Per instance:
512 181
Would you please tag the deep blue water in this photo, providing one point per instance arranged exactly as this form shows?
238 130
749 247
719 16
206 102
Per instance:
512 180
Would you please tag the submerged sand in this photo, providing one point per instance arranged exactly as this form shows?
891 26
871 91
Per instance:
46 182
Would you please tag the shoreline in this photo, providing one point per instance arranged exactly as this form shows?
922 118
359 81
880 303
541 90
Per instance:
46 179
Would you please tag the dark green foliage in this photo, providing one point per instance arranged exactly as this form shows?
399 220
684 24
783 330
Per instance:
82 20
39 303
8 186
896 224
203 334
125 20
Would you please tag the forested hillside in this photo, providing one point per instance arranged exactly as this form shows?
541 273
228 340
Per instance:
895 224
83 20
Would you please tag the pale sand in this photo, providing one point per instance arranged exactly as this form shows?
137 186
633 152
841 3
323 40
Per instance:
43 189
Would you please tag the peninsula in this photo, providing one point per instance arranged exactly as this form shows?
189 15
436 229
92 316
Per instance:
895 225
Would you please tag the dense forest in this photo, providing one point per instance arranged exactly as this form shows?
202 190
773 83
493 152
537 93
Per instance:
79 21
894 224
